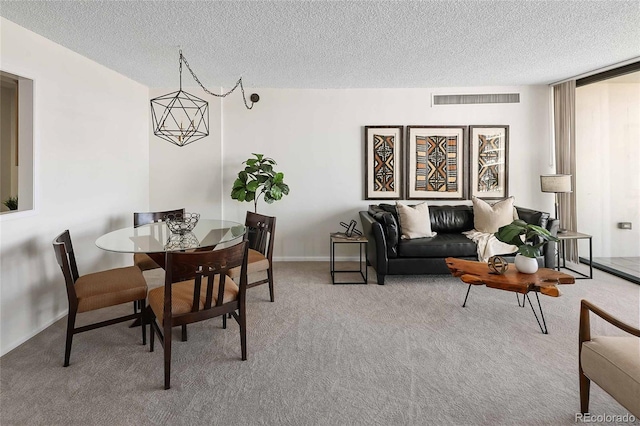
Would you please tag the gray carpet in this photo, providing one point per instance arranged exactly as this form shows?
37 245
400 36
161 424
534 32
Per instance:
402 353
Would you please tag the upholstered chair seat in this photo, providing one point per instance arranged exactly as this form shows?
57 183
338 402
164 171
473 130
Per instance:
110 288
257 262
144 262
182 297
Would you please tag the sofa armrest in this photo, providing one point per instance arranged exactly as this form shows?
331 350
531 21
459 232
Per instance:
549 250
377 246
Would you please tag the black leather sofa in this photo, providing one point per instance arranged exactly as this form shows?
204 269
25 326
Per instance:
390 255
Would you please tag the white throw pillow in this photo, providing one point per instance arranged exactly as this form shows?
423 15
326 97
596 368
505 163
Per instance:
489 218
414 222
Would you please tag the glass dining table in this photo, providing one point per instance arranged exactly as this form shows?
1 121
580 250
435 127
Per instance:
155 239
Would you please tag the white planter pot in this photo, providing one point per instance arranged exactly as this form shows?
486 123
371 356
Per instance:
526 265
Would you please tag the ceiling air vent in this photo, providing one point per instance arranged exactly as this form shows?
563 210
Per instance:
491 98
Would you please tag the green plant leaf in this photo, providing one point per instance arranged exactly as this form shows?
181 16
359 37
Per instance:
239 195
279 177
243 176
528 251
237 184
275 192
510 234
540 231
258 156
285 188
253 185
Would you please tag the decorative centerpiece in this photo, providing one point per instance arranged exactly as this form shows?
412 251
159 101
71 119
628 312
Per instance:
529 246
182 241
498 265
182 223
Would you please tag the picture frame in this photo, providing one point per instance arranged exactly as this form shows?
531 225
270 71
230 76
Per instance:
435 162
383 162
489 161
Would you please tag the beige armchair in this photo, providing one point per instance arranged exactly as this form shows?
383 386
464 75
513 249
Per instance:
612 362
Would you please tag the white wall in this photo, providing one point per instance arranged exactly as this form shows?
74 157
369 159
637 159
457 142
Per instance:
188 176
316 137
608 154
91 173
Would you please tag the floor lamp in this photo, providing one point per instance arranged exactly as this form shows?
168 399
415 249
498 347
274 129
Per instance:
558 184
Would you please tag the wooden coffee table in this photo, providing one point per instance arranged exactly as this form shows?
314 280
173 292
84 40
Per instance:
544 281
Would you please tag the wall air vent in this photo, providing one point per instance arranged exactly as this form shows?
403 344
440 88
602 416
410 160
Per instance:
490 98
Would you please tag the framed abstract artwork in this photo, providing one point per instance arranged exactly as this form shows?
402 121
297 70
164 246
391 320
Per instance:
435 162
489 162
383 160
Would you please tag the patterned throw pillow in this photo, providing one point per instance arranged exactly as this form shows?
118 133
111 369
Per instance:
414 221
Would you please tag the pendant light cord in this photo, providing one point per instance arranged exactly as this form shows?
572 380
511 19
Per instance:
238 83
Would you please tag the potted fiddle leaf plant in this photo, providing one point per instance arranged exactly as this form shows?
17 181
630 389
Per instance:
257 179
529 239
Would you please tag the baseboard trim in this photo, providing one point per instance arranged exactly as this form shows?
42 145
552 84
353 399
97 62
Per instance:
612 271
38 330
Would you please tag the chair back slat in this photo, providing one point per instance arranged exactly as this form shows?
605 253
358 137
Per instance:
221 290
261 233
183 266
209 298
196 292
66 260
144 218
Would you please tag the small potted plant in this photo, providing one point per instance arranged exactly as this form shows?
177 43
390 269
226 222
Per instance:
259 179
11 203
529 246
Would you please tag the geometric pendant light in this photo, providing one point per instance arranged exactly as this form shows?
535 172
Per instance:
180 117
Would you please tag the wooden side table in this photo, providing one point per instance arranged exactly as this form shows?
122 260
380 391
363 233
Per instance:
340 238
570 235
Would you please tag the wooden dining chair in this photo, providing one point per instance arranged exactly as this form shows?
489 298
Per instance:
197 288
142 260
261 235
97 290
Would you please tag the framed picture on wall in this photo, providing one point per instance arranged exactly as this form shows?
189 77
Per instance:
489 162
435 162
383 161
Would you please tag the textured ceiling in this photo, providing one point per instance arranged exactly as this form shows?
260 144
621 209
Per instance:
350 44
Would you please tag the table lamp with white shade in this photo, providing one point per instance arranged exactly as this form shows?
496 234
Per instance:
557 184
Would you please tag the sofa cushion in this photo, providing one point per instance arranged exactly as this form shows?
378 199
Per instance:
414 221
442 245
533 217
489 218
452 219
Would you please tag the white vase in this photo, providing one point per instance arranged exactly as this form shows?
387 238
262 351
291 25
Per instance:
526 265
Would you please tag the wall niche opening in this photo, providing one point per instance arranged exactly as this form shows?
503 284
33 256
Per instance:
16 143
